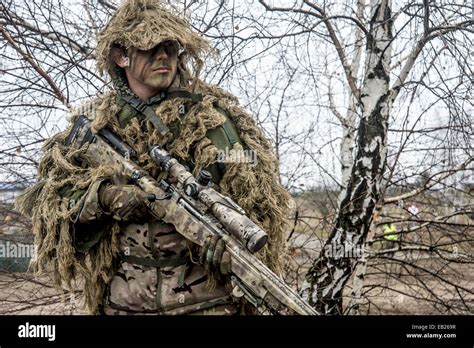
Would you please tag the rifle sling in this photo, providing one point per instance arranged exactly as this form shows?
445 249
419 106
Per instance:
145 109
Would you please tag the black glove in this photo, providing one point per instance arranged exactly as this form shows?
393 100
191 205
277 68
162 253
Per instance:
214 256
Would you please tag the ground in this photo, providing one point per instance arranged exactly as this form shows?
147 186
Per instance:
437 281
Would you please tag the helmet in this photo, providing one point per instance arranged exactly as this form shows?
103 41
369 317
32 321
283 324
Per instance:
143 24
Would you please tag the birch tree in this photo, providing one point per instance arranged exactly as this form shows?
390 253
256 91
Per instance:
372 94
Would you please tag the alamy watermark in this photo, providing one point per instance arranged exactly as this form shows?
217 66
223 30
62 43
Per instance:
17 250
87 108
237 156
345 250
28 330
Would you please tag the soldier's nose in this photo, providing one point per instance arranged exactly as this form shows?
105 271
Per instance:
161 53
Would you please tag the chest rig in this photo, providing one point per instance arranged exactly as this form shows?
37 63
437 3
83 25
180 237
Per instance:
224 136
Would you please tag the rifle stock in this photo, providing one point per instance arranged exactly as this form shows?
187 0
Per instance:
197 211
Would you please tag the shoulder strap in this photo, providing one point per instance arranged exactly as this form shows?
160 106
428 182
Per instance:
145 109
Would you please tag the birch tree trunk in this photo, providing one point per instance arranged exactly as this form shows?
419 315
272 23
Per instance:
349 122
330 272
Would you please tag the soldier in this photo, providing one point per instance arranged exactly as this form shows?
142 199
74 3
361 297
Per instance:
91 224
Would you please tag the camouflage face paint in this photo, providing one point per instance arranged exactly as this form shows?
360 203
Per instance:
152 71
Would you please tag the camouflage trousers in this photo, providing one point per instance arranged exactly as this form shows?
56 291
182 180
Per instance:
157 275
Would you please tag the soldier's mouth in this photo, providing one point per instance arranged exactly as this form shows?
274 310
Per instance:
162 69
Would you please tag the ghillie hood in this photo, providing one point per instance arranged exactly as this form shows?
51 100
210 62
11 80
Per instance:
143 24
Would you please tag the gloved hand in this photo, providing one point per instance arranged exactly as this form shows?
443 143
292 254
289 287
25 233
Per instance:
123 202
214 256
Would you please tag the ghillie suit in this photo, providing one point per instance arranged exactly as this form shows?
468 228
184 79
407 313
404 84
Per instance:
113 257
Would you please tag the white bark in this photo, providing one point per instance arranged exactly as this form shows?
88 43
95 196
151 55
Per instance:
349 122
329 273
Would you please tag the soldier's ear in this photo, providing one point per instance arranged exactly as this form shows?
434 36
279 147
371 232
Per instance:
119 55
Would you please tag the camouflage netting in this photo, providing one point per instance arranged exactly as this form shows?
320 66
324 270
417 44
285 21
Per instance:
52 219
255 188
143 24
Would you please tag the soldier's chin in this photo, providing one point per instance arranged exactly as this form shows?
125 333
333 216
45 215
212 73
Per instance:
160 86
